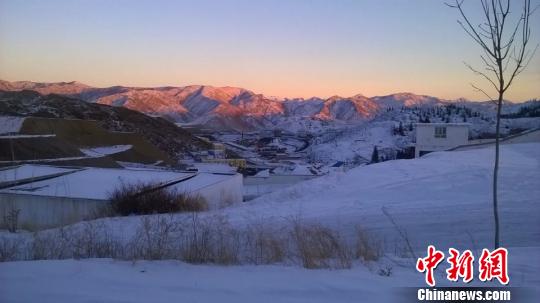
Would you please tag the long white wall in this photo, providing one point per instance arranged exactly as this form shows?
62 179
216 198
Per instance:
40 212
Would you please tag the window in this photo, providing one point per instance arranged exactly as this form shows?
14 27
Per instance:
440 132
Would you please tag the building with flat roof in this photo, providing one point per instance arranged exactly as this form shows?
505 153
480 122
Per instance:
432 137
63 196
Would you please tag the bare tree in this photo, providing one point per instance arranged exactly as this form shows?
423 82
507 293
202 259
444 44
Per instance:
505 54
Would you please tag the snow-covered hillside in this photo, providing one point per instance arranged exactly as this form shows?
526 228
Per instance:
392 131
443 198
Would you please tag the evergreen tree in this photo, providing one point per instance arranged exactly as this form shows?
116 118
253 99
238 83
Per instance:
375 155
400 129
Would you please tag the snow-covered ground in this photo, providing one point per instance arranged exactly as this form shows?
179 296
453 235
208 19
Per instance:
358 141
94 152
26 136
106 280
10 124
443 199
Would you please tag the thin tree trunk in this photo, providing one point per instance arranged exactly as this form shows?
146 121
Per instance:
496 171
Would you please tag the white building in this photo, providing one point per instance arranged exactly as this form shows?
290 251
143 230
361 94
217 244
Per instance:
440 136
63 197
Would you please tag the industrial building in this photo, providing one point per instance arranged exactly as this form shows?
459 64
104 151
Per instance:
49 196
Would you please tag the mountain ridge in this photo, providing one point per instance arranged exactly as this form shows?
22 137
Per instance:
228 106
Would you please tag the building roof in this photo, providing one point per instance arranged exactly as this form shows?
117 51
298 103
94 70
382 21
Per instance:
28 171
199 182
94 183
98 183
443 124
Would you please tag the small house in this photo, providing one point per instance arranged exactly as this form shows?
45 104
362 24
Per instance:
432 137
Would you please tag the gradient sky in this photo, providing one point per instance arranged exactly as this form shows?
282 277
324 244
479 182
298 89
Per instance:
279 48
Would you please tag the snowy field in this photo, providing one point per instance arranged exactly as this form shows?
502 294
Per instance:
105 280
443 199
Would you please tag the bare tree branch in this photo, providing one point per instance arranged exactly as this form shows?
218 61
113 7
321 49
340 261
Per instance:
506 56
484 92
477 72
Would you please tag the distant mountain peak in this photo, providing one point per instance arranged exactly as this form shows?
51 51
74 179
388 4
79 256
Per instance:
228 106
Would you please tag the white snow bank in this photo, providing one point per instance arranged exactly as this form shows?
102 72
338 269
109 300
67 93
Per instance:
27 136
10 124
214 168
104 280
105 150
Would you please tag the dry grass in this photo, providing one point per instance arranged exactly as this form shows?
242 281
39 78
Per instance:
320 247
89 240
200 240
210 241
265 244
368 248
95 241
153 239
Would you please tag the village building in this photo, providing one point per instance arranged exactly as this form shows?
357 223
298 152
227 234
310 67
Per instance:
432 137
64 196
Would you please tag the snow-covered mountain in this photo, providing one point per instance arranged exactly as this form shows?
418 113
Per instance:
232 107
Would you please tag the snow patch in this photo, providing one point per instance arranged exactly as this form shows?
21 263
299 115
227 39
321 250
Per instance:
105 150
10 124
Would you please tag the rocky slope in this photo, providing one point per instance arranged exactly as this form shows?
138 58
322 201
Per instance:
174 141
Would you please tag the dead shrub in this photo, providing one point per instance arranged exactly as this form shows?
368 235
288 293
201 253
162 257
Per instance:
210 241
89 240
95 241
320 247
385 271
154 239
10 249
149 198
368 248
52 245
402 233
